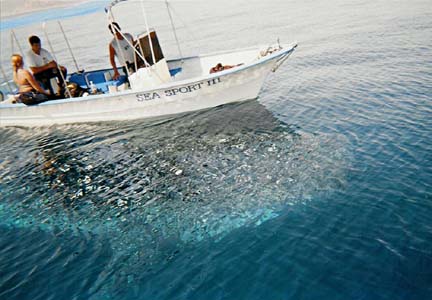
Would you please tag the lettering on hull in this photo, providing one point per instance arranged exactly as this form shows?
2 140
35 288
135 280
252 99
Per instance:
178 90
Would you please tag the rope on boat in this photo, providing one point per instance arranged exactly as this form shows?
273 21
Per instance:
281 60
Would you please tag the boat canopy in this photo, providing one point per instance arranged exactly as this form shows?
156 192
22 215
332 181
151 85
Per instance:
156 52
112 4
115 2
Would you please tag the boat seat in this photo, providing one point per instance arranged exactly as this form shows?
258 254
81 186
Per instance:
98 78
103 86
173 72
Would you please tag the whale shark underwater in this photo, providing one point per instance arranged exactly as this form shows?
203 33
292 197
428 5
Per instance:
150 188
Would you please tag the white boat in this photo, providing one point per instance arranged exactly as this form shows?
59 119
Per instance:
164 88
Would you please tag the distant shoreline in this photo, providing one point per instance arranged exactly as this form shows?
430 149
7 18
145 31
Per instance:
26 9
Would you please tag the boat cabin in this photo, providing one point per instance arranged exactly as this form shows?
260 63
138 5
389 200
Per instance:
143 46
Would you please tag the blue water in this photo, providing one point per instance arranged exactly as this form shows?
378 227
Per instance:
319 189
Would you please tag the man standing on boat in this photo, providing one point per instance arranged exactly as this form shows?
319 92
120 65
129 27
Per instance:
43 65
121 47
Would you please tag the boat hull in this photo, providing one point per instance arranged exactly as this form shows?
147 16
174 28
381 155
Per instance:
213 90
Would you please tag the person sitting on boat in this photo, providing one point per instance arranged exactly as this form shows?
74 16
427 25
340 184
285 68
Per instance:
219 67
43 66
29 89
121 47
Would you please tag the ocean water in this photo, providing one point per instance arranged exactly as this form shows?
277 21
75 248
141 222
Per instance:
319 189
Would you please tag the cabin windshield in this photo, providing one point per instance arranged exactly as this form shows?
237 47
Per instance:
143 46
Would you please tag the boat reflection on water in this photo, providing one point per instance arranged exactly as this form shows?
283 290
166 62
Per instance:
151 186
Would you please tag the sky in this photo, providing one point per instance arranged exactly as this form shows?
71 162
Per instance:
10 8
18 13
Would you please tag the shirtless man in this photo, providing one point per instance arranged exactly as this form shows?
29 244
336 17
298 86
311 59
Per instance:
26 83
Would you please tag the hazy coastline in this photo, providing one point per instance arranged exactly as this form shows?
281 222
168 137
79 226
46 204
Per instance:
14 8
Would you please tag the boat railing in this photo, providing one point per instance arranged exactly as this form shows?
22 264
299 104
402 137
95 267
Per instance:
102 79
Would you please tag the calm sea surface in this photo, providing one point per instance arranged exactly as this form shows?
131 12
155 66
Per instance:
319 189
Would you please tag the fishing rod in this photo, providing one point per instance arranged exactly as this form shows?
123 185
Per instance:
14 37
69 47
58 66
173 28
5 78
